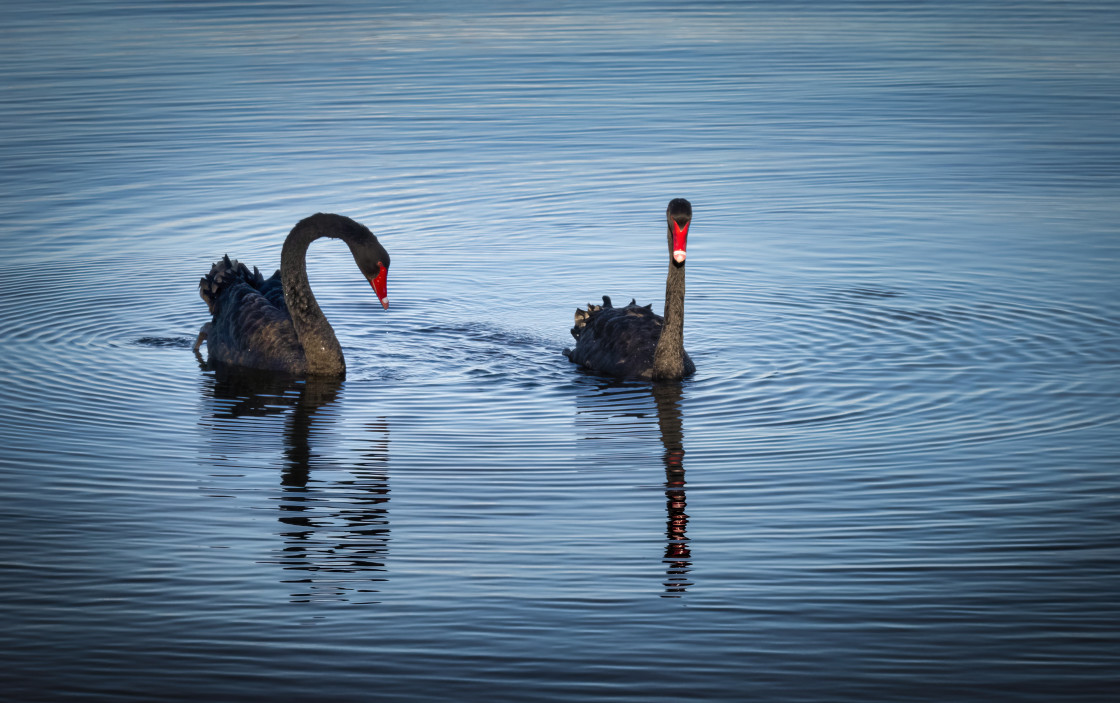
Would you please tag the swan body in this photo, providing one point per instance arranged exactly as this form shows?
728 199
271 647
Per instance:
275 324
633 341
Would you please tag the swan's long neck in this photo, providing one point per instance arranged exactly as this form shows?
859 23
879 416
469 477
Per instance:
668 357
320 345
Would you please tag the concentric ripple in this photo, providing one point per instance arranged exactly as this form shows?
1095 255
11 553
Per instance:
893 476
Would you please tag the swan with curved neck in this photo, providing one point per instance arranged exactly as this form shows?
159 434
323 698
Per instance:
276 324
633 341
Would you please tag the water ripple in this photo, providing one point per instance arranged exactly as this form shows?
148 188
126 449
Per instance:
896 461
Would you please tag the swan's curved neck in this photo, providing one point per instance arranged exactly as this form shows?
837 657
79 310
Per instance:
668 356
320 345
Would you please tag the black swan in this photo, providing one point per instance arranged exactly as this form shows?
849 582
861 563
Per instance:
276 324
634 342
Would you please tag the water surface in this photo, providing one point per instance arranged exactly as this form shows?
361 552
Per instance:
894 475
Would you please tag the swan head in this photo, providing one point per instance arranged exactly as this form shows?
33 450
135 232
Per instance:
373 261
678 215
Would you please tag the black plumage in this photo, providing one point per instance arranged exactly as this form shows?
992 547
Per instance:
633 341
275 324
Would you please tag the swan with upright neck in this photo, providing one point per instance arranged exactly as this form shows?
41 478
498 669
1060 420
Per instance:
276 324
633 341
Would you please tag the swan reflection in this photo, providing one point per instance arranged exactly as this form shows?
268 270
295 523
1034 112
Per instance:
620 412
333 508
678 556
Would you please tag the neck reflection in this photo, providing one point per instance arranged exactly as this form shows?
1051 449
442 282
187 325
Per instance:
614 420
678 556
334 494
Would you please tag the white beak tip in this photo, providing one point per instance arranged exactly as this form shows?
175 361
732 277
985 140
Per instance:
679 256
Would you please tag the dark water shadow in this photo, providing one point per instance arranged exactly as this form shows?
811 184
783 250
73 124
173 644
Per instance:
333 500
621 415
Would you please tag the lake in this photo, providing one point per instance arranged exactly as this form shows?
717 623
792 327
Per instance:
895 475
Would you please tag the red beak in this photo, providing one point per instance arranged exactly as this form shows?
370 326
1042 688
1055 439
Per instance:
680 240
380 284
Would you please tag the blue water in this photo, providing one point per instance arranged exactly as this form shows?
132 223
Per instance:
895 475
